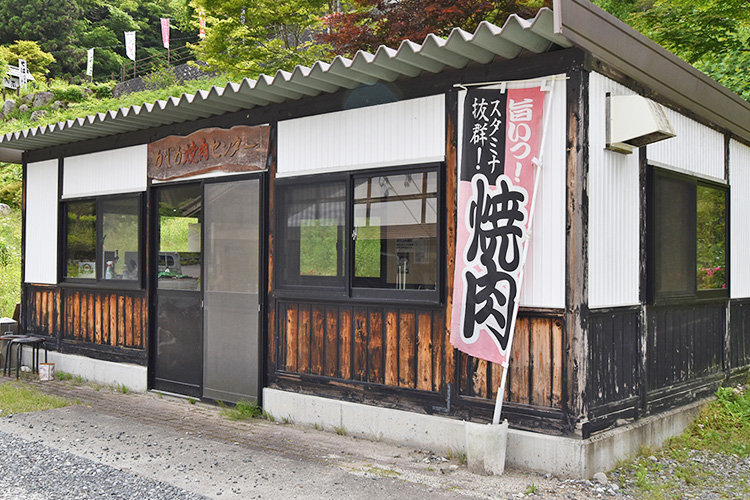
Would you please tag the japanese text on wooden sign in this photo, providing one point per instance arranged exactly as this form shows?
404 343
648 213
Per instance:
501 139
239 149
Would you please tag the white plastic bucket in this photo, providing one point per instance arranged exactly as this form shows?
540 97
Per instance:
46 371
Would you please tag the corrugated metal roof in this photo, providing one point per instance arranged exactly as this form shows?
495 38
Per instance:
574 23
411 59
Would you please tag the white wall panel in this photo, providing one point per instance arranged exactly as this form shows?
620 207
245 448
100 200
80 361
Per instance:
40 265
544 279
398 133
614 213
108 172
697 149
739 177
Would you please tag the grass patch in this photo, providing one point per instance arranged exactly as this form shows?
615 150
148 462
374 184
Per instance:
722 428
16 397
380 472
243 410
92 105
458 455
723 425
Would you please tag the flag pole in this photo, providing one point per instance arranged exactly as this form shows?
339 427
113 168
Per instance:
517 300
537 162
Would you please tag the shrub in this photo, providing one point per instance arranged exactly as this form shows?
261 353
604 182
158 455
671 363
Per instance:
162 78
68 94
103 90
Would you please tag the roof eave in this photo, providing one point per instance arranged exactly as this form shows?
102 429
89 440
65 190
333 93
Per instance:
621 47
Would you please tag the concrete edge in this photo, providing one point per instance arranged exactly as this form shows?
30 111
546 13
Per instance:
560 455
134 377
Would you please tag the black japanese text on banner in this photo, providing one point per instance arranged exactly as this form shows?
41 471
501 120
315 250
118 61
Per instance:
501 140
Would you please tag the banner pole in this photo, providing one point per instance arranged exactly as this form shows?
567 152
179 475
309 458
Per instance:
517 300
524 256
500 395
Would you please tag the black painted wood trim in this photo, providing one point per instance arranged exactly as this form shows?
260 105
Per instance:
21 316
102 352
577 383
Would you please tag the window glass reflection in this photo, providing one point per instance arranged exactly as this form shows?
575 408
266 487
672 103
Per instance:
120 256
179 258
81 240
395 224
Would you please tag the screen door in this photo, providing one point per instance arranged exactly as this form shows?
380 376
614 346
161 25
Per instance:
231 345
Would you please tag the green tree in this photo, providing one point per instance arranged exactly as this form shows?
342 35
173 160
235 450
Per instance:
712 35
103 25
11 177
36 59
694 29
623 8
51 23
244 39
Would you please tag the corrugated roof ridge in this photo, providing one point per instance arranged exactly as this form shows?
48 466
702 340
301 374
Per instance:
386 64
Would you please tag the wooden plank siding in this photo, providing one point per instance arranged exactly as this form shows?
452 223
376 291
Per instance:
408 348
42 313
739 343
378 345
97 317
535 375
614 350
685 343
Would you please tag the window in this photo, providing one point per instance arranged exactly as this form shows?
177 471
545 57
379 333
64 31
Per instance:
395 231
81 240
102 239
375 235
711 258
312 234
180 224
688 236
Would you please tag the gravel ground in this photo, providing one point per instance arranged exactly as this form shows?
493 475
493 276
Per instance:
698 475
34 471
116 445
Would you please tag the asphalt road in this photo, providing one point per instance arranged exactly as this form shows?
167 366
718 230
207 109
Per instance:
116 445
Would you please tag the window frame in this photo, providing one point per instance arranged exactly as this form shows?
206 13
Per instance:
695 294
344 287
308 284
99 281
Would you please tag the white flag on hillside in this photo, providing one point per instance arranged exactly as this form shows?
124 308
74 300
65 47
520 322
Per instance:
130 44
90 63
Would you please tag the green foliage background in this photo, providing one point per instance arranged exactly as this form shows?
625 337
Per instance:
10 238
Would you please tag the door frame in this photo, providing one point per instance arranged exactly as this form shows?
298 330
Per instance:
151 260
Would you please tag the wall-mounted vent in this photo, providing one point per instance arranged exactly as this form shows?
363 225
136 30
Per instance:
634 121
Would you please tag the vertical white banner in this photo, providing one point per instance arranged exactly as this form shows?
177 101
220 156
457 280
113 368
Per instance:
165 32
90 62
130 44
23 72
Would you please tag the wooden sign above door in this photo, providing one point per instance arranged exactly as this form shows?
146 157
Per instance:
239 149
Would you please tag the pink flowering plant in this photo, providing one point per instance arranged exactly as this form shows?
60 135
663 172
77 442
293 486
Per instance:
710 278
